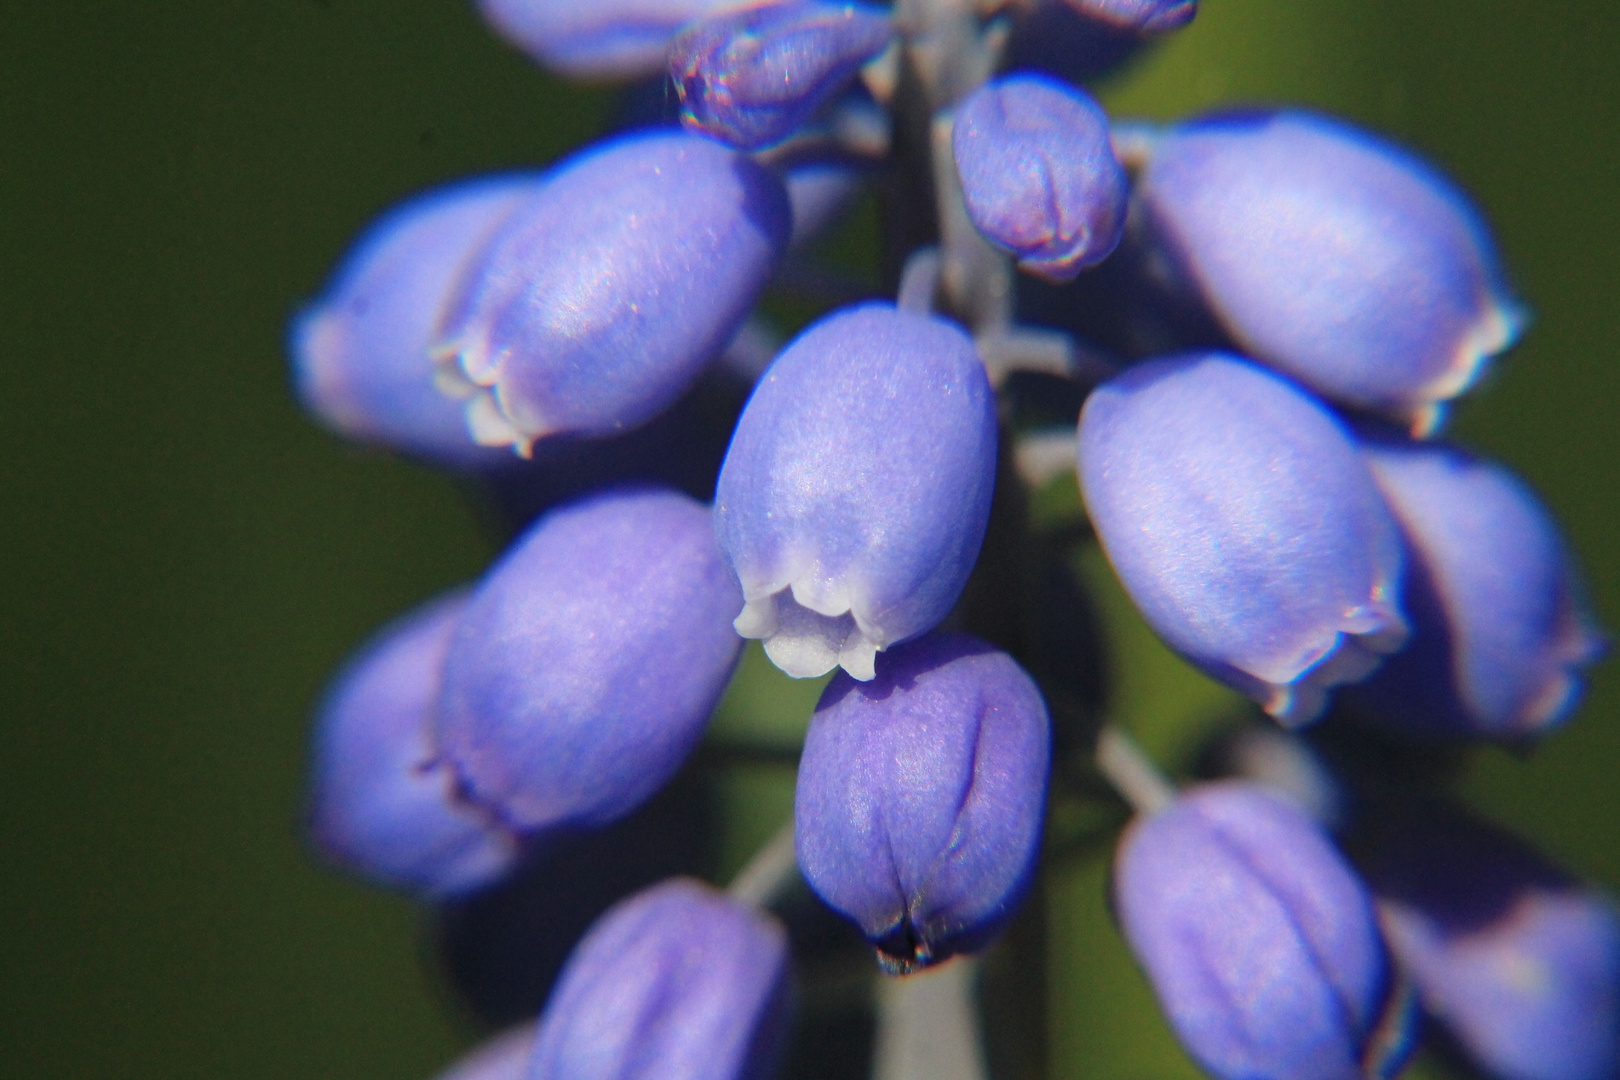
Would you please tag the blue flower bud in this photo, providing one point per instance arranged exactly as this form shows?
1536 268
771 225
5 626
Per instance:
604 295
920 797
1039 175
678 982
854 497
1516 959
615 39
360 352
1334 257
1259 941
1501 629
751 76
501 1057
1244 524
1140 16
589 659
380 804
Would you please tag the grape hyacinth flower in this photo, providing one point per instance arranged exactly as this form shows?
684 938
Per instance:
604 39
1501 630
1140 16
920 797
678 982
360 352
854 497
1242 520
604 295
1258 939
1332 256
1518 960
750 77
380 803
1039 175
589 660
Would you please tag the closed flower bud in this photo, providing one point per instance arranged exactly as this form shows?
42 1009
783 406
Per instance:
750 77
854 497
1141 16
614 39
360 352
589 660
1516 959
678 982
1038 174
1332 256
501 1057
380 805
1258 939
602 297
920 797
1244 524
1501 633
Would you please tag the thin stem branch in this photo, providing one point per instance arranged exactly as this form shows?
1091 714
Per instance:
1132 772
769 872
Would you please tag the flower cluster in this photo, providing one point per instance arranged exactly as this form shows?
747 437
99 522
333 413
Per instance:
1292 305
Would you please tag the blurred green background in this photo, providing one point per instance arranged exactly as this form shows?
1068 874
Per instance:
185 559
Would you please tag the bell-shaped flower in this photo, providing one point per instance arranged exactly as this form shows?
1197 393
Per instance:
1039 175
1145 17
360 353
1245 525
1259 940
751 76
380 804
678 982
603 39
589 660
1501 630
854 497
1518 961
1332 256
603 296
920 797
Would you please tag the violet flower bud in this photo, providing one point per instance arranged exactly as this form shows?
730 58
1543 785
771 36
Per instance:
678 982
1245 525
1516 959
854 497
589 660
380 804
612 39
602 297
1140 16
920 797
1333 256
360 352
1501 628
1258 939
751 76
1038 174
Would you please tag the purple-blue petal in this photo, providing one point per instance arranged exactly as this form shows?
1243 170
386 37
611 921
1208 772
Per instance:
1333 256
1501 630
1259 941
589 660
921 794
613 39
751 76
1144 17
360 353
678 982
381 805
1039 175
604 295
854 497
1245 525
1519 961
